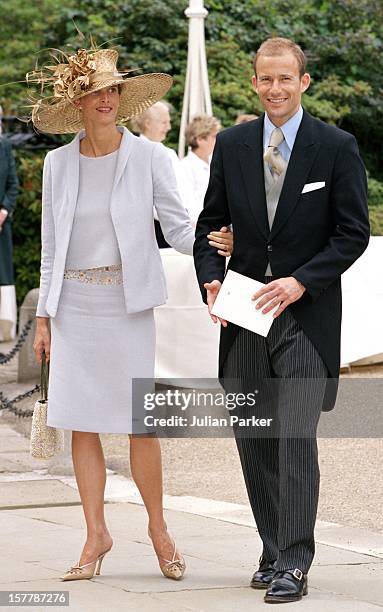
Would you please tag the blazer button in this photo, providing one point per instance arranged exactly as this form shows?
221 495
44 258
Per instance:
269 248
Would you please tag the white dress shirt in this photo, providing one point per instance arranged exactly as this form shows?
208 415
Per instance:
289 129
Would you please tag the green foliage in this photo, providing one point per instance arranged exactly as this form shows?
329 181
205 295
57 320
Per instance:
375 193
343 41
376 221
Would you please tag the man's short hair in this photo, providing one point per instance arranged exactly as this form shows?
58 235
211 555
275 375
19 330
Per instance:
278 46
200 127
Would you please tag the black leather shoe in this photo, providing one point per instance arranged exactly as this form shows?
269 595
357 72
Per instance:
263 576
287 586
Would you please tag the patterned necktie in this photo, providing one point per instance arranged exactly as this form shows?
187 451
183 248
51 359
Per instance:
273 155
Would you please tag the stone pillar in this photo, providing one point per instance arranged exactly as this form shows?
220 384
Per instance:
28 368
62 464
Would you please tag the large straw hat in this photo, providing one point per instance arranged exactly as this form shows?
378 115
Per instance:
83 73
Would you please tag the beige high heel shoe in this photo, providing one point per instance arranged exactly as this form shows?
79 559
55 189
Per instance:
175 568
85 572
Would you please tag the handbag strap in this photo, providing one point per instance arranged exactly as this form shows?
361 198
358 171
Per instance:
44 377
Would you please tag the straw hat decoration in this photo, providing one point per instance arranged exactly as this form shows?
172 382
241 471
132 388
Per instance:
85 72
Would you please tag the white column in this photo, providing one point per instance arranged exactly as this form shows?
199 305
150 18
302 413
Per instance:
197 98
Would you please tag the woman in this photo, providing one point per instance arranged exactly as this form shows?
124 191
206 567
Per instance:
101 276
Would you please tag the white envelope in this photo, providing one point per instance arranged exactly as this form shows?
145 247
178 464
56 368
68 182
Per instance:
234 304
313 186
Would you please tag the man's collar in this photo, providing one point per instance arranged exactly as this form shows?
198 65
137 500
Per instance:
289 129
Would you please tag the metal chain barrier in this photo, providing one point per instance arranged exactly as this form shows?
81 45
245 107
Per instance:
22 338
5 402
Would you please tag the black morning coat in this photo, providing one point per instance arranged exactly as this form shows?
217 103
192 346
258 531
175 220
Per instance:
315 236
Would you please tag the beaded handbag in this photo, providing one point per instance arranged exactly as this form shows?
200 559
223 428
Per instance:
45 441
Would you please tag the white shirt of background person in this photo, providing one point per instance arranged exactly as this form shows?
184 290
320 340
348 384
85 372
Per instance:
195 167
154 124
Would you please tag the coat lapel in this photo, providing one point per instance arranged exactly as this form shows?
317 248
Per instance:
302 157
251 160
123 155
73 174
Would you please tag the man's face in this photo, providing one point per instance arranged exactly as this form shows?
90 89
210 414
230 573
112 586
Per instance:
158 123
280 86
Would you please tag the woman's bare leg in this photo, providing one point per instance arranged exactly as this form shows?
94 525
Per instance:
146 468
89 467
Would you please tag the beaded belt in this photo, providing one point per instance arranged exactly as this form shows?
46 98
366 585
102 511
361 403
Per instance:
107 275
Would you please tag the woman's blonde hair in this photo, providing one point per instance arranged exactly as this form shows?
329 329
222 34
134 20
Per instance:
200 127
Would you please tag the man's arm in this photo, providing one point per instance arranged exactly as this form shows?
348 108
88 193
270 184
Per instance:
350 219
208 264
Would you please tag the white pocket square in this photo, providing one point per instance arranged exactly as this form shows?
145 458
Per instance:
313 186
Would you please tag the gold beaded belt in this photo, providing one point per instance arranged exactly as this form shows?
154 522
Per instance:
107 275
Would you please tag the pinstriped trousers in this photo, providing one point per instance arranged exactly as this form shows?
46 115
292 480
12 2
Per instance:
281 473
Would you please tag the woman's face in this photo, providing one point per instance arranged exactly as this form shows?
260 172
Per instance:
100 107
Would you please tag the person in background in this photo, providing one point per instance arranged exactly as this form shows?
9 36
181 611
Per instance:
245 118
8 194
154 124
200 135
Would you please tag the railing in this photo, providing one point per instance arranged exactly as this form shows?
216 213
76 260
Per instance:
5 402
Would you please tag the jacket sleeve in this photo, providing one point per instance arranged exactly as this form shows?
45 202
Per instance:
172 215
215 214
12 184
350 221
47 239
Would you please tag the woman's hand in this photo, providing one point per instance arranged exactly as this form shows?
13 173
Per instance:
223 241
42 338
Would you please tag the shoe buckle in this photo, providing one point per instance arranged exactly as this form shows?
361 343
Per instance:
298 574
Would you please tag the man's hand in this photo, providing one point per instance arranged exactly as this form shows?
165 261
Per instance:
283 291
212 292
3 216
223 241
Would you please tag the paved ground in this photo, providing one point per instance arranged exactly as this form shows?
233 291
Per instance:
42 532
351 485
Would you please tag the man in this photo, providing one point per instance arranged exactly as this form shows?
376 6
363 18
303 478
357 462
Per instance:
294 189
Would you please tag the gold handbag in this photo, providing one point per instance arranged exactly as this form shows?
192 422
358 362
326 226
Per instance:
45 441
